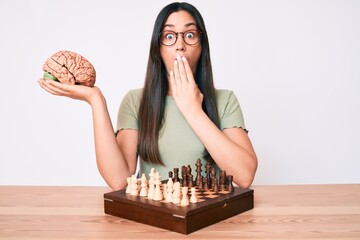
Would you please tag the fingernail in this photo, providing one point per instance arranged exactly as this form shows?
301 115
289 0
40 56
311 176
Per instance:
183 58
178 57
175 62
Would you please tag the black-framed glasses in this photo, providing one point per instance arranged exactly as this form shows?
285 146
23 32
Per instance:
190 37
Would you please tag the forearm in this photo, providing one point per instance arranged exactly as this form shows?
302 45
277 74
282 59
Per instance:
237 160
110 160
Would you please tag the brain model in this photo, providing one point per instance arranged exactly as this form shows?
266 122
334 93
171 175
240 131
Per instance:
69 68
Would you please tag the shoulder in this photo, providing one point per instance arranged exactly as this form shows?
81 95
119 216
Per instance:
230 113
226 102
131 99
224 95
133 96
134 93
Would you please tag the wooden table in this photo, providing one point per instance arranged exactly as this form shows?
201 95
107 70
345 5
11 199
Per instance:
281 212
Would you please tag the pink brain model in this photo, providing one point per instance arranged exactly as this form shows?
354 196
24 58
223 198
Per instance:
69 68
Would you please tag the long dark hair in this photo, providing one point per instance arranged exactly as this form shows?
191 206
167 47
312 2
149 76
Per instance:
152 105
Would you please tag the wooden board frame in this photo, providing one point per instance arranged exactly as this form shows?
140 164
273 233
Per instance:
173 217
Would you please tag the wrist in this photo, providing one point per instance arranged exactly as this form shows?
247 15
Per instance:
192 117
96 97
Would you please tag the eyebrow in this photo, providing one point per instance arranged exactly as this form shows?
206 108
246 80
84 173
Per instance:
186 25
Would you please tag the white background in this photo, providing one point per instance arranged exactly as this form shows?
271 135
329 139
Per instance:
294 66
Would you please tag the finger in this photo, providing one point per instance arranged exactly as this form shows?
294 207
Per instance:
43 86
172 82
182 71
188 70
177 73
55 88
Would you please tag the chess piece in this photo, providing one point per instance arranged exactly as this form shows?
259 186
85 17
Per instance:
164 190
138 185
157 194
188 173
222 186
190 181
193 198
213 176
208 175
134 186
176 175
151 189
198 172
207 171
176 193
215 185
185 197
200 186
169 191
143 191
128 188
206 185
171 175
152 176
230 187
184 176
170 182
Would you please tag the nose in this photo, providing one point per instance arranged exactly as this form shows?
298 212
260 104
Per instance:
180 44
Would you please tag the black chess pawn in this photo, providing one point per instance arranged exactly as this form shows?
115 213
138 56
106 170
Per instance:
230 187
206 184
190 182
215 185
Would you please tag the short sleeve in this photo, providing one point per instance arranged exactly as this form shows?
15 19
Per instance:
127 117
229 109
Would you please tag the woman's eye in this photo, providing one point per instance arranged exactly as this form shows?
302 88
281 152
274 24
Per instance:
169 36
190 35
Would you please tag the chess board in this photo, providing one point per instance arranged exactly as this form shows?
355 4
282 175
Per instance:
211 208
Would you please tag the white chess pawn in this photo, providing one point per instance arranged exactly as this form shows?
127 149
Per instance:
143 191
170 182
169 192
176 193
185 197
158 194
128 188
193 198
134 186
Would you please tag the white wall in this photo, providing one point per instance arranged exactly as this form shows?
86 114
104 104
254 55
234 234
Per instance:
294 65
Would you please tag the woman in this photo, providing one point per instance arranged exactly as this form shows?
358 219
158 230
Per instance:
178 117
